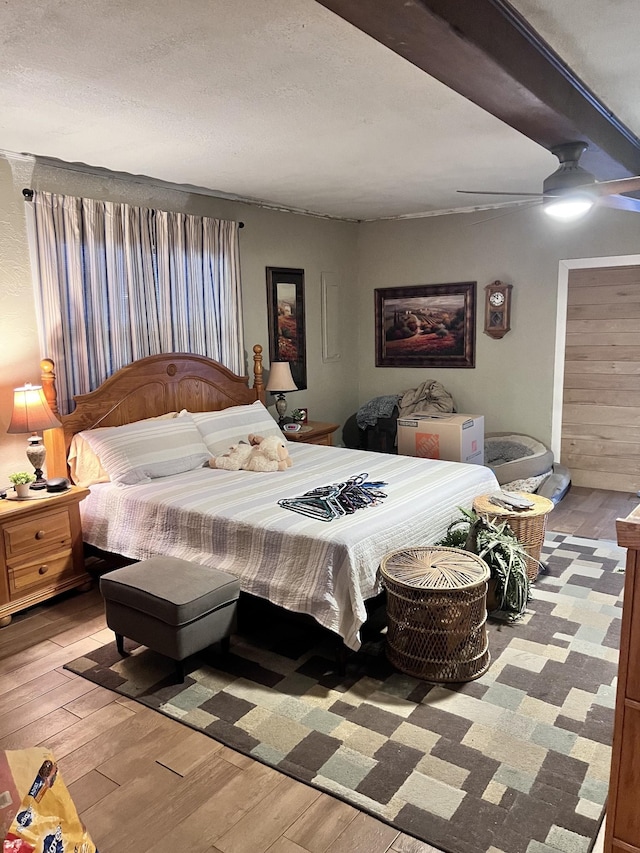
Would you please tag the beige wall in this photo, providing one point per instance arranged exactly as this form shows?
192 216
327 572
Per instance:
19 351
269 238
512 383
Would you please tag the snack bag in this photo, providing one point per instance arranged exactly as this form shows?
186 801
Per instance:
47 820
18 768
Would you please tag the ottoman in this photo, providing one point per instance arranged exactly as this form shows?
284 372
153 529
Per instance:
172 606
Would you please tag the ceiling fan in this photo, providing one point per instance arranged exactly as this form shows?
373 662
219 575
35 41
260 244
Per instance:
571 191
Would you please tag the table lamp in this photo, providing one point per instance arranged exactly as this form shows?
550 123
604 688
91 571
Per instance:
31 413
280 381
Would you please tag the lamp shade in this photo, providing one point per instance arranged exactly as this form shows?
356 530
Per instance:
280 378
31 412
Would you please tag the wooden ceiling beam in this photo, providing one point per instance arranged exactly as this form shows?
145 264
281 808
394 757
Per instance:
486 51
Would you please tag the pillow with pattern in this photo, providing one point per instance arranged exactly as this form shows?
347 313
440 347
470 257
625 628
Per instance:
222 429
145 450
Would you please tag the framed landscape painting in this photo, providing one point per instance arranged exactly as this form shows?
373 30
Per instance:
428 325
285 305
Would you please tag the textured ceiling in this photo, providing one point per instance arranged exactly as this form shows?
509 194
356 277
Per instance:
599 42
281 101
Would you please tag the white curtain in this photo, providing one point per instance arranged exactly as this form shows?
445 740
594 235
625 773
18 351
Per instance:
116 283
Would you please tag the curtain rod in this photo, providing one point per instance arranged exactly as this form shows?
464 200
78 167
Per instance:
28 196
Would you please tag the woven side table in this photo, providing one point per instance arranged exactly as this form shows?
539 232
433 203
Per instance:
528 525
436 613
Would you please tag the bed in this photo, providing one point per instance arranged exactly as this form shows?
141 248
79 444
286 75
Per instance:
233 519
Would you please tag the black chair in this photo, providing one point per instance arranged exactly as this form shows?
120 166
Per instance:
380 438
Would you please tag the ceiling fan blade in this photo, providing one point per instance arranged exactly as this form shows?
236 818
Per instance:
493 192
620 185
620 202
570 180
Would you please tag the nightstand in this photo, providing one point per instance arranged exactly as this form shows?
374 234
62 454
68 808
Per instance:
41 552
314 432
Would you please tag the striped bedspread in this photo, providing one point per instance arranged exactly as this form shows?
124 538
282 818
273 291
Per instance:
232 520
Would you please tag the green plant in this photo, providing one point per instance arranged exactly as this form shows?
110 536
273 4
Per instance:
21 477
297 415
498 546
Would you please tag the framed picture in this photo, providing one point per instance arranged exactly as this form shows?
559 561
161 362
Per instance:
430 325
285 305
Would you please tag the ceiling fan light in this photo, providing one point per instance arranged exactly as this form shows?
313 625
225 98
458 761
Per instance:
568 209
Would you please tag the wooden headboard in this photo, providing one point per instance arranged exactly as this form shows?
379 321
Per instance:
144 389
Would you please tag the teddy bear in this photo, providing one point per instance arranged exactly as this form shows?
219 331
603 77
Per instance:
268 454
234 459
259 454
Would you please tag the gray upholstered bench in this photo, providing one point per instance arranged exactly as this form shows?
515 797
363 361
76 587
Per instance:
172 606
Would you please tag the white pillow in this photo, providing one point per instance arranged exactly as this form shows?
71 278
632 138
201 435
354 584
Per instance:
222 429
145 450
85 466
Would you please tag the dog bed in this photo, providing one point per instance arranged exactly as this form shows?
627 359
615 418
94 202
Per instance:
512 456
522 463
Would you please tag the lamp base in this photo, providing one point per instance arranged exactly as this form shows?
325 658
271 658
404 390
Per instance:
36 454
281 409
40 482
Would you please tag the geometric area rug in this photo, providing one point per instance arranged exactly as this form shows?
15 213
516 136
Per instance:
516 761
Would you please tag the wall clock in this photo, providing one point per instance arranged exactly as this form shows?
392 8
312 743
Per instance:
497 309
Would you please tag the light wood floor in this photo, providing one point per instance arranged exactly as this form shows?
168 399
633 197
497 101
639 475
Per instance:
144 782
591 512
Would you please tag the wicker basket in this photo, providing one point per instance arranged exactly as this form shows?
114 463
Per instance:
436 613
528 526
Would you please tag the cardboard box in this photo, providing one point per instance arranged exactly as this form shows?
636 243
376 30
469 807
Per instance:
455 437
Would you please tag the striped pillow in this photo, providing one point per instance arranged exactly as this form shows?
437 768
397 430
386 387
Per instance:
145 450
222 429
85 466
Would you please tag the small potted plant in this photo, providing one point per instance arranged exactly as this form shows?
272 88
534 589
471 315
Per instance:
298 415
495 543
21 482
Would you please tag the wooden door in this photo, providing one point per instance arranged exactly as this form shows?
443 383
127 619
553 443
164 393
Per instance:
601 410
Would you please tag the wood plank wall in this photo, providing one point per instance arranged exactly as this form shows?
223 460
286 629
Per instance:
601 411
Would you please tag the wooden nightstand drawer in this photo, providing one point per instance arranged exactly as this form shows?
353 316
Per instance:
40 550
39 573
322 439
49 531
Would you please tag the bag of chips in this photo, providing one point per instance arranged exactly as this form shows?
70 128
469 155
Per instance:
47 820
